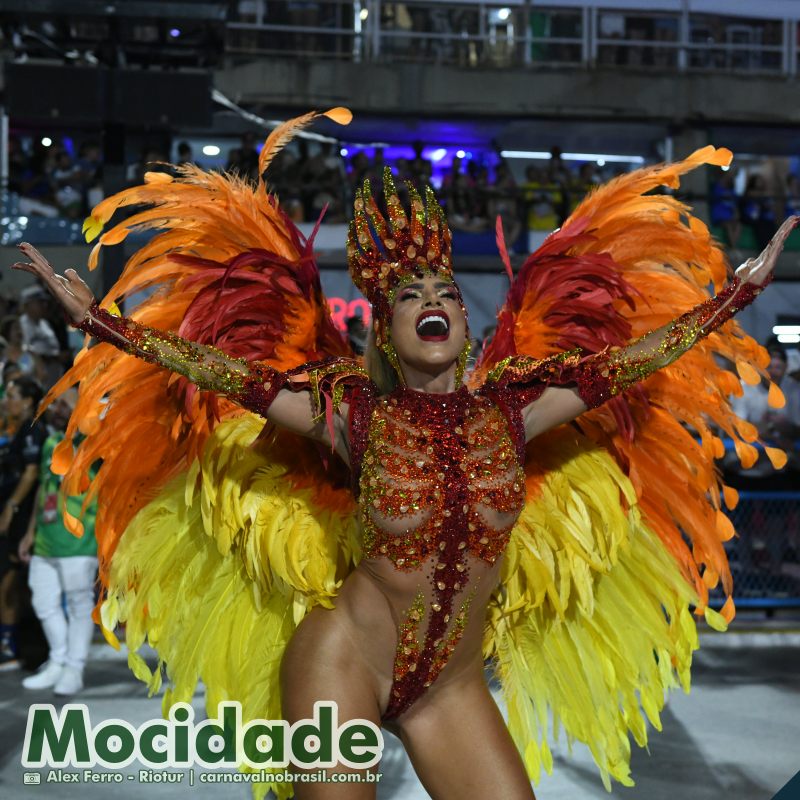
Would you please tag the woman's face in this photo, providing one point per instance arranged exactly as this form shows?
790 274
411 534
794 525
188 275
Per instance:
428 327
17 406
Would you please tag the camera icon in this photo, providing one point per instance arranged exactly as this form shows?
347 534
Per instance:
31 778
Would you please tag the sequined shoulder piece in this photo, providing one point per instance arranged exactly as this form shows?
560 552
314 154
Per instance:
331 382
517 381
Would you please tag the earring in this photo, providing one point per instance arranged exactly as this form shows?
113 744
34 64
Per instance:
391 355
461 365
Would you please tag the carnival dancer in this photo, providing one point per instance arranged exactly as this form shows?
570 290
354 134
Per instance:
485 525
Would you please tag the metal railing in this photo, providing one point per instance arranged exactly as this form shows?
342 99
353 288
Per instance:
520 34
765 556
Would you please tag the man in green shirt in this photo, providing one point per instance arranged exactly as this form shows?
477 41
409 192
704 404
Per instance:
61 564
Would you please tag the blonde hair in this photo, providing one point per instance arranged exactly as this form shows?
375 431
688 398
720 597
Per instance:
383 374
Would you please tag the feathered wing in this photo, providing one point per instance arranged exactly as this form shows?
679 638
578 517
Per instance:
215 534
623 530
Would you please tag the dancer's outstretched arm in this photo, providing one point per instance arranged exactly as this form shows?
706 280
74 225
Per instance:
253 385
597 378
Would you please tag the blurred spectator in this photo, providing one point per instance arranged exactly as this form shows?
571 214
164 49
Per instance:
582 183
285 175
62 566
376 170
322 183
559 177
724 207
153 159
479 182
185 155
557 171
38 337
542 199
401 169
19 471
792 195
396 21
37 187
14 351
504 203
11 371
90 164
419 167
246 158
757 210
464 207
777 426
67 183
466 21
17 165
450 177
359 170
293 207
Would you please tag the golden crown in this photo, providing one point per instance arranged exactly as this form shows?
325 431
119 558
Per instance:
382 255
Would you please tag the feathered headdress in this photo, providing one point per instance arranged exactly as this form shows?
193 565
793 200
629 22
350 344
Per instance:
384 255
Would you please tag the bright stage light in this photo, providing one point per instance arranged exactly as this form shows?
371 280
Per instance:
364 14
210 150
789 338
573 156
343 152
438 154
786 330
503 14
460 153
47 141
175 32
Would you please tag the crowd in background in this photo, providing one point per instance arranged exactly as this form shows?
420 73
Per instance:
35 350
65 180
51 181
757 205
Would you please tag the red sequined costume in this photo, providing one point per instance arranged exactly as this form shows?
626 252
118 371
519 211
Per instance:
217 535
440 478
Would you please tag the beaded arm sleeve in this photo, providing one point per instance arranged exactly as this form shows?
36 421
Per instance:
601 376
251 384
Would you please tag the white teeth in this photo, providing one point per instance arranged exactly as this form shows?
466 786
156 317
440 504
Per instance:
433 318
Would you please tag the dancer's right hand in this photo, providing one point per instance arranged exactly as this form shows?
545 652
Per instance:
69 289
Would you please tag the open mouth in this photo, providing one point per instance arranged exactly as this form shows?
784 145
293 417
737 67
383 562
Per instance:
433 326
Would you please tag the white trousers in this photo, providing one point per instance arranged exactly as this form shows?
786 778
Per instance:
68 637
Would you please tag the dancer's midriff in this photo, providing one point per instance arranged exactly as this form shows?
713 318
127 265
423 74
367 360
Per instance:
373 608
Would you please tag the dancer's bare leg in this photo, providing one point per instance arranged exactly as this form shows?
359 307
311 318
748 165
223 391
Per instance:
321 663
459 744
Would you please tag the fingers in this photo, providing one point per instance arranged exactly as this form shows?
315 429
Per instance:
779 240
39 261
782 234
25 267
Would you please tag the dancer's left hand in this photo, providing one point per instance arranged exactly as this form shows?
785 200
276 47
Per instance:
757 270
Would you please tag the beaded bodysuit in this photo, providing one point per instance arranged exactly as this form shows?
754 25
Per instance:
441 486
440 477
